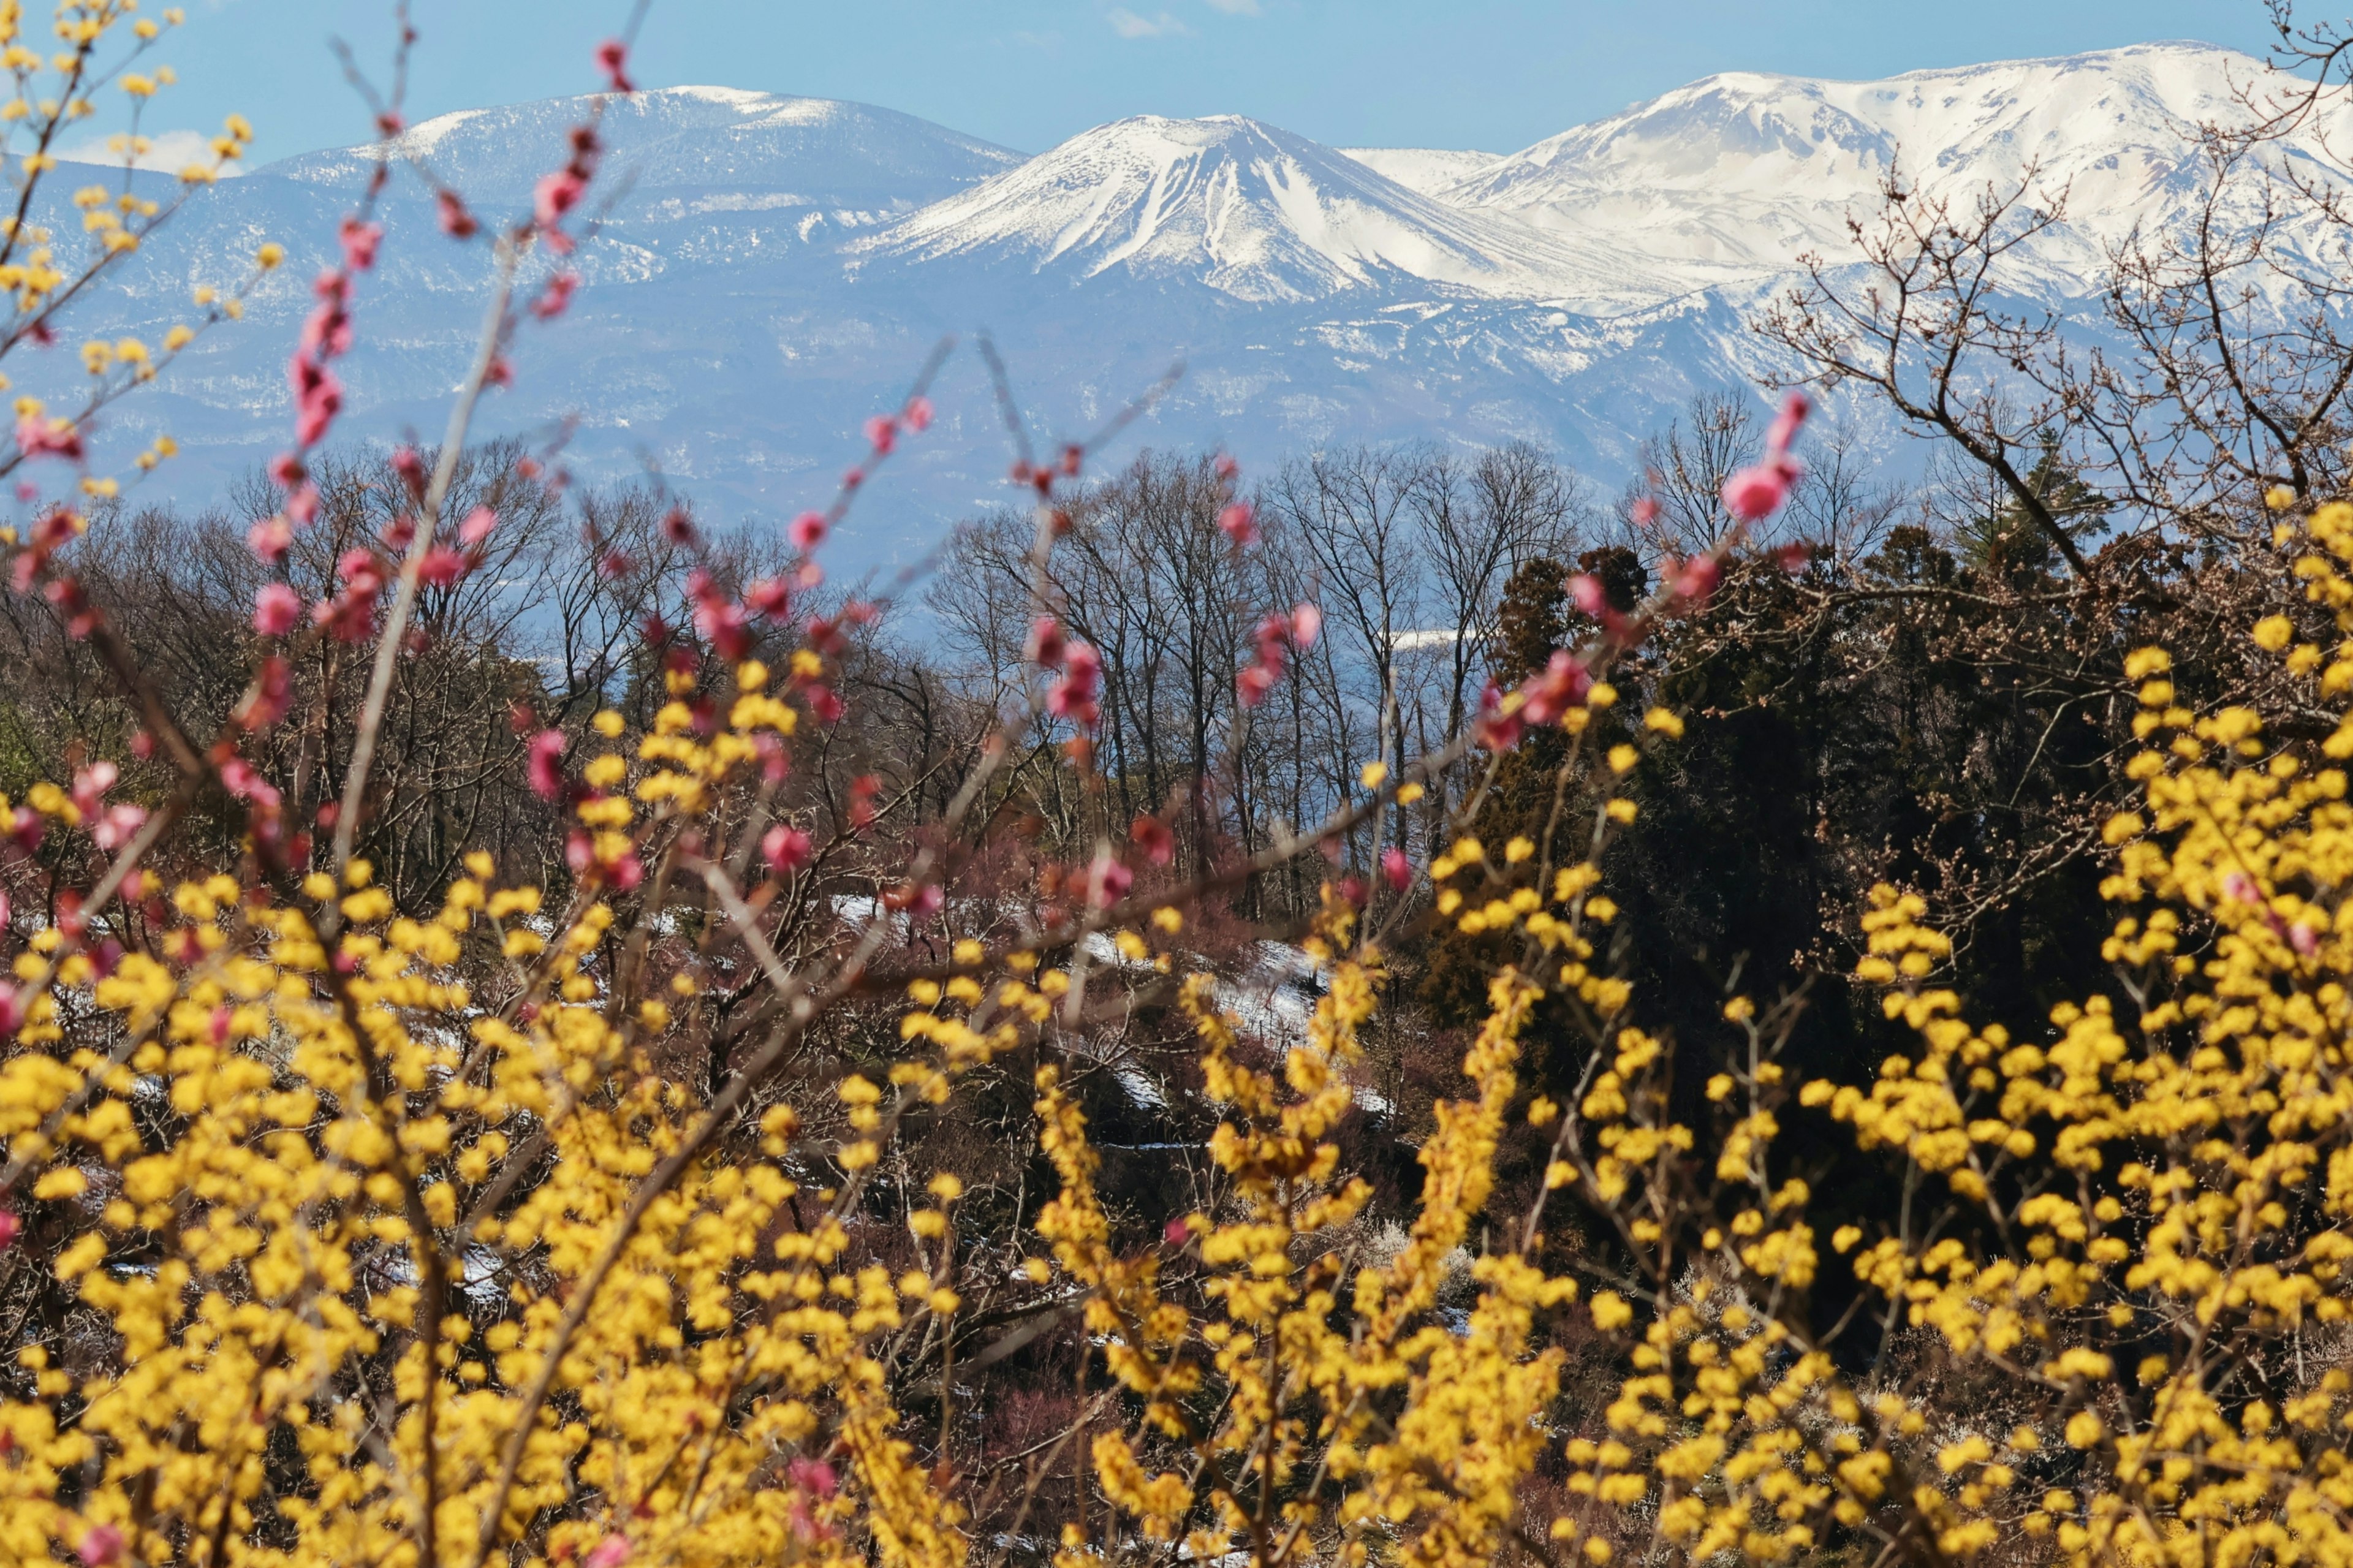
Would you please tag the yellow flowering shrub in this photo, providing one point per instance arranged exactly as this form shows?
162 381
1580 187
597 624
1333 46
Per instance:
314 1255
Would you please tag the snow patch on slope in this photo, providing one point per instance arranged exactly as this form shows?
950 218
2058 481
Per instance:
1425 170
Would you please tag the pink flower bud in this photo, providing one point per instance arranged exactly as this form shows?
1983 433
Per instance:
1396 869
813 1476
613 59
1046 645
807 531
1107 881
614 1549
917 414
276 608
1151 836
545 764
1786 423
786 849
101 1545
1752 495
1239 523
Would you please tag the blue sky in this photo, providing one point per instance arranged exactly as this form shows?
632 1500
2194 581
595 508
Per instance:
1439 73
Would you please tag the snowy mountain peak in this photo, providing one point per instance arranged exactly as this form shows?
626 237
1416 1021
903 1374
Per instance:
1240 207
676 140
1750 168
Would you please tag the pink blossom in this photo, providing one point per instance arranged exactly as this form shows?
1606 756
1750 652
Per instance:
1494 729
1698 578
554 298
2304 939
272 694
1239 523
318 398
882 433
363 571
118 826
359 242
824 706
555 195
1752 495
1585 590
1560 687
1396 869
1047 645
2240 887
613 59
271 539
543 764
812 1476
807 532
786 849
722 625
1786 424
476 526
449 211
1074 696
244 781
100 1544
769 596
1107 881
1252 685
1306 625
917 414
1177 1231
8 1216
609 1553
442 566
37 437
1644 512
90 785
276 608
1151 836
1226 466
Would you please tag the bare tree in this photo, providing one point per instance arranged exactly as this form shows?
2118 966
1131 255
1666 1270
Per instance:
1930 330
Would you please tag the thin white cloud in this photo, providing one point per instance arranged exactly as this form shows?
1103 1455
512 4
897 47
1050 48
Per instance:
167 152
1236 7
1128 24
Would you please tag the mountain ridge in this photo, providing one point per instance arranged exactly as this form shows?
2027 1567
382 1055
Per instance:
770 269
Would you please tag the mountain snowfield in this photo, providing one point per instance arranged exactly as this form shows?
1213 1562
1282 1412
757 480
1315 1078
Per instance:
762 271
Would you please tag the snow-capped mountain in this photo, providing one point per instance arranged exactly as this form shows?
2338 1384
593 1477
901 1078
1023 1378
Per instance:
1252 212
760 273
1753 169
